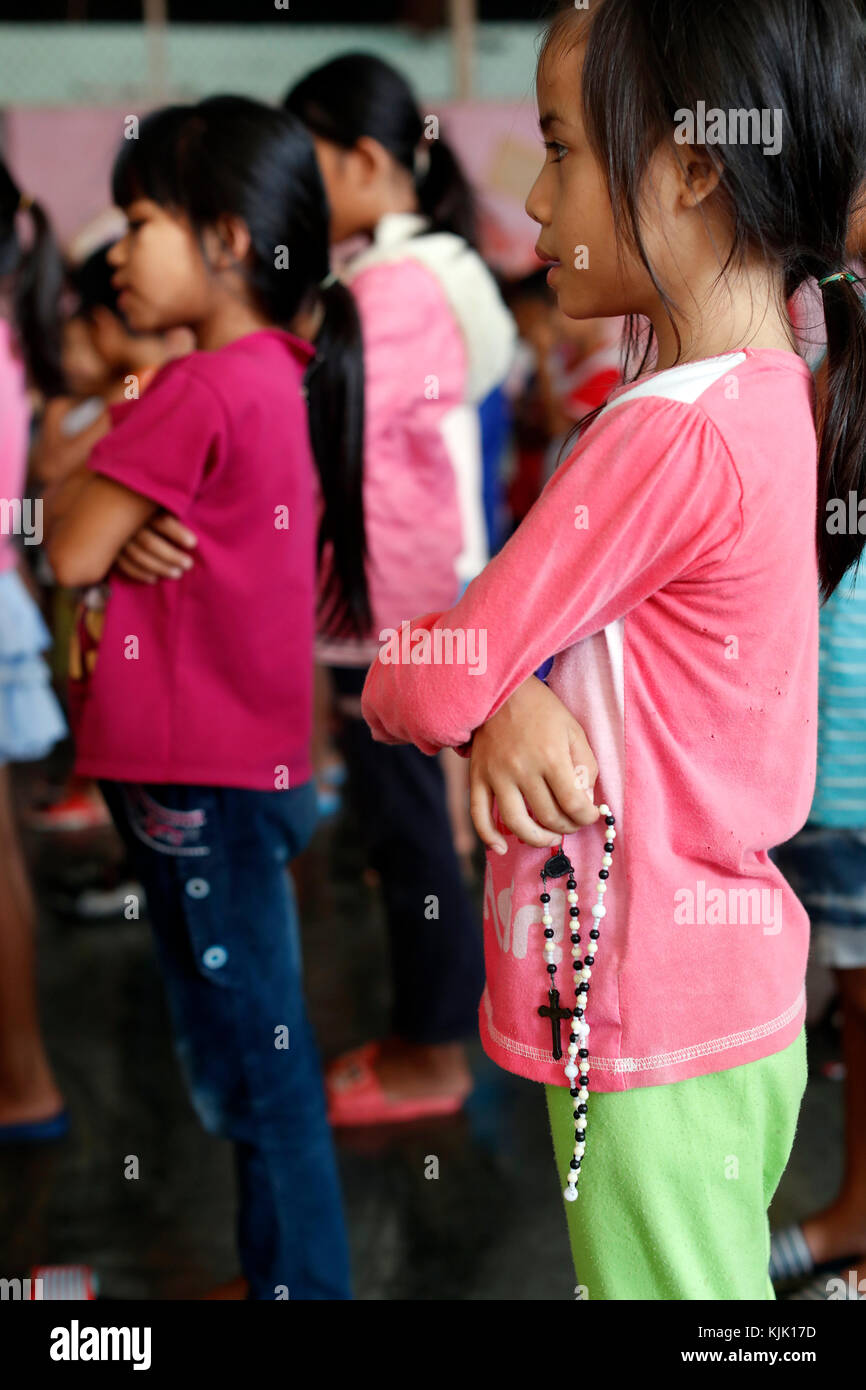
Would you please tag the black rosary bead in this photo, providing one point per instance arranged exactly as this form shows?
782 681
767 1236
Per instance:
574 911
584 1052
574 1163
548 932
610 820
545 897
581 1110
573 1091
604 873
578 1013
584 1078
575 938
590 960
608 845
580 1135
551 970
572 883
594 933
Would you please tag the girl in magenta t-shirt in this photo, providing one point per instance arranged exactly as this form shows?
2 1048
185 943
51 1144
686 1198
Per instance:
197 712
671 568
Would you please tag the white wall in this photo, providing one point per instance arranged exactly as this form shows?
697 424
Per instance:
117 65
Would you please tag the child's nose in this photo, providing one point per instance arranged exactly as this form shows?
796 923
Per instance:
537 204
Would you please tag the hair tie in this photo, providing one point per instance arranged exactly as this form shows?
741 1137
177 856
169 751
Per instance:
840 275
25 202
330 279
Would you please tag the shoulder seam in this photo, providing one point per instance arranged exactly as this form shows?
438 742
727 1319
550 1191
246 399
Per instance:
666 401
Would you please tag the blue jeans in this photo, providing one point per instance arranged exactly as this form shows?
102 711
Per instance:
213 863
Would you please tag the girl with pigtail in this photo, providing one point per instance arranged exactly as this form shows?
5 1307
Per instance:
673 569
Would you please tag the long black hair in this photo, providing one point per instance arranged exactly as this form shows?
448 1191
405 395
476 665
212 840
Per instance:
36 285
358 94
230 156
646 61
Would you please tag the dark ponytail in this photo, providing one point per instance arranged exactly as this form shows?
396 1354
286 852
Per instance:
335 393
230 156
36 285
445 196
841 428
358 94
791 208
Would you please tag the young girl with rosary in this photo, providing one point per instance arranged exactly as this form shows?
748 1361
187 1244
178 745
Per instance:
673 568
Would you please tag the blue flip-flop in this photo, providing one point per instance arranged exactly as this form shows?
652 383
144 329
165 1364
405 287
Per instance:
36 1131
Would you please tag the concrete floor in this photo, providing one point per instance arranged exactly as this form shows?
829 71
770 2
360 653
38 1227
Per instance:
490 1227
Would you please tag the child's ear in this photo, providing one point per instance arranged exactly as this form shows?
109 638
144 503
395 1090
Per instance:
698 175
228 242
371 160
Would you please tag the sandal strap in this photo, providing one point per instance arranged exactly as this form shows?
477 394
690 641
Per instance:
790 1256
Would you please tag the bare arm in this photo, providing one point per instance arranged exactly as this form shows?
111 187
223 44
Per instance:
93 521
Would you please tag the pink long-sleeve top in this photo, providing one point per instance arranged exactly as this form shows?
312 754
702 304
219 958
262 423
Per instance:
436 338
414 375
670 565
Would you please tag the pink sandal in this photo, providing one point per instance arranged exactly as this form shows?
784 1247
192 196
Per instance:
356 1097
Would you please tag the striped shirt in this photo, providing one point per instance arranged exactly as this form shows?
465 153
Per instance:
840 789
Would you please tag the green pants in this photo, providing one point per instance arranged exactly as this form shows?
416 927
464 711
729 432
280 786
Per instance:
676 1181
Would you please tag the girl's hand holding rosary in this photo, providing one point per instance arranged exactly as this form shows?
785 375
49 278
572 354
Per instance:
534 753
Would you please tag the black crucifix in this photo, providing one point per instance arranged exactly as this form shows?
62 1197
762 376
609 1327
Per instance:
552 1011
557 866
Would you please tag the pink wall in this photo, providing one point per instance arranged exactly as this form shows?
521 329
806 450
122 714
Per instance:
63 158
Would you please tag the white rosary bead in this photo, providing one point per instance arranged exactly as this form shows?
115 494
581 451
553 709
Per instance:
602 888
571 1071
546 919
571 896
586 972
583 1094
575 952
580 1028
570 1194
599 910
606 861
604 809
609 832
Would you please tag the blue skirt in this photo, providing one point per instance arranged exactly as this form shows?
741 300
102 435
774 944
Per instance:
31 720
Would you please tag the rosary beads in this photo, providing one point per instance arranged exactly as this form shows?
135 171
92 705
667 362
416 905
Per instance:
577 1066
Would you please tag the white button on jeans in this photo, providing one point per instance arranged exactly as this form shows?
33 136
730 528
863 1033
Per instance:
215 957
198 887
